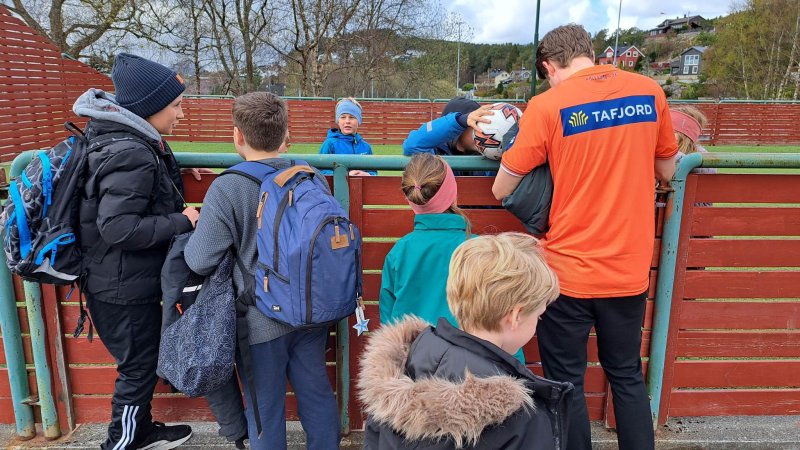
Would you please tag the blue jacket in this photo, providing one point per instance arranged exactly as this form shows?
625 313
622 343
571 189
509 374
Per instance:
439 137
344 144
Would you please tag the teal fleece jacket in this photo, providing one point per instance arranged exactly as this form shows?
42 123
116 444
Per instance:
415 270
414 277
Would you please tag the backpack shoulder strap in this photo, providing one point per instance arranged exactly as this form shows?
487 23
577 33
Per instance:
257 171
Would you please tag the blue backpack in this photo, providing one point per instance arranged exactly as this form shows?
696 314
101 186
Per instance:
309 254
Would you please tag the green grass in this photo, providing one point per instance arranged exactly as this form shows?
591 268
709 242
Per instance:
754 149
224 147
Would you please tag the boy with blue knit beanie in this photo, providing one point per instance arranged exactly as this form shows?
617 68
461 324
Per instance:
345 139
131 207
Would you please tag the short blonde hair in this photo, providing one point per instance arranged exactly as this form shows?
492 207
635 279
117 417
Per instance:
685 145
490 275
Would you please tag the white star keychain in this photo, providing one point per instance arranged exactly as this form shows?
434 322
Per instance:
361 321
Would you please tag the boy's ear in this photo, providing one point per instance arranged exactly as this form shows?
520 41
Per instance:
238 137
514 317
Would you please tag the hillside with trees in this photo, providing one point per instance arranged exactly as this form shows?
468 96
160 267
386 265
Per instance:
396 48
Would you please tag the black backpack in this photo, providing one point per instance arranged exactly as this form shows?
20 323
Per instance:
40 220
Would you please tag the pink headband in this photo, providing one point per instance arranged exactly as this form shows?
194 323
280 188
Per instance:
686 124
443 199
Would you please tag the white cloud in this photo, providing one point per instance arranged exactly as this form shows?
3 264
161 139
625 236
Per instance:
498 21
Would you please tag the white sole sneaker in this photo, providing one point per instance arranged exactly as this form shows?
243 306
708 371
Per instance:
166 445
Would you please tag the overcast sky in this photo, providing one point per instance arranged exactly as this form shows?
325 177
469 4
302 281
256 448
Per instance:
498 21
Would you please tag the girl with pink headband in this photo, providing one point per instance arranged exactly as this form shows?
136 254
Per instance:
415 270
688 122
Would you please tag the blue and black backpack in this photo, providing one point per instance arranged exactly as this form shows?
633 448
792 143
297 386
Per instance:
309 253
40 219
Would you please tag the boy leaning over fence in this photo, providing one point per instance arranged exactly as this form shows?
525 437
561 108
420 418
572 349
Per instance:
442 387
277 350
130 212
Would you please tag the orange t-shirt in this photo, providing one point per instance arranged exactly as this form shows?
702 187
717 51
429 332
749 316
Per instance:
601 131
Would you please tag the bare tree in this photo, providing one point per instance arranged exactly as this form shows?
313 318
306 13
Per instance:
73 25
237 28
380 32
313 30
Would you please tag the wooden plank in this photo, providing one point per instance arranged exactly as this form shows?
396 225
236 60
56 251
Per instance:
737 402
737 374
740 315
397 223
738 344
99 380
743 253
746 222
742 284
748 188
166 408
386 191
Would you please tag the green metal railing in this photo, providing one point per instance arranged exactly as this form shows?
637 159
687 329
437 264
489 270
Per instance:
341 164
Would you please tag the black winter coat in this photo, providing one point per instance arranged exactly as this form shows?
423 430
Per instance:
440 388
131 210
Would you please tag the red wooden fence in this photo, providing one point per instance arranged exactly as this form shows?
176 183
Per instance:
734 340
37 88
735 335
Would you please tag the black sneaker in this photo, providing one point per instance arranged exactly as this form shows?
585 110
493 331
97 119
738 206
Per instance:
164 437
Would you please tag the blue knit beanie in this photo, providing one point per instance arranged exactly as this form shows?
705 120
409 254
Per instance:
347 106
144 87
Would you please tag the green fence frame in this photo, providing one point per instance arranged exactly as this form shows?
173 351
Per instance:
341 164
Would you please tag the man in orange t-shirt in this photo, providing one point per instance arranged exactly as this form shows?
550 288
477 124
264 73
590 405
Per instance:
607 135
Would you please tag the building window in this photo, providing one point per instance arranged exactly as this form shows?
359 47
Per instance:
694 69
609 55
635 54
686 70
628 54
691 60
630 63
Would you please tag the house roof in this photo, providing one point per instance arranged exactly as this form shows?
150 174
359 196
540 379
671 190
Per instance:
699 48
678 21
620 50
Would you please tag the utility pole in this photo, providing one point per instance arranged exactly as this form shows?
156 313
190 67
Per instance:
458 58
535 46
616 41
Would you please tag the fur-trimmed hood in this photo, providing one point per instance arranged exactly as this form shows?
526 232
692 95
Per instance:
432 407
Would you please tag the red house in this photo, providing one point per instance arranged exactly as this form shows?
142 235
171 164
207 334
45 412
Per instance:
627 56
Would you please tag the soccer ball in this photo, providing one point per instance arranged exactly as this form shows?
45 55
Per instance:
493 135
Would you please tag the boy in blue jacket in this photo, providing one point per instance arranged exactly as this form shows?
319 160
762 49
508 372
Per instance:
345 139
450 134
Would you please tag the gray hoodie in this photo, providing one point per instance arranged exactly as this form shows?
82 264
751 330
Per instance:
98 104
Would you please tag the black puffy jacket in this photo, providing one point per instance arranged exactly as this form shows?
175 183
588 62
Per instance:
131 210
439 388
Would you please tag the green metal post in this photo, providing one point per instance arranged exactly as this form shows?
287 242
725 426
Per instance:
666 278
47 406
15 358
535 46
341 190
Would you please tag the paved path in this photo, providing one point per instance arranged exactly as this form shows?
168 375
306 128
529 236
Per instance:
715 433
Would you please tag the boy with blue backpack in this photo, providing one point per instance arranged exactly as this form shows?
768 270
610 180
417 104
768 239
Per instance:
297 272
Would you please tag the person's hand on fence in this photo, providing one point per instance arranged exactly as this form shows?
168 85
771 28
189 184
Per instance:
359 173
192 214
197 173
477 116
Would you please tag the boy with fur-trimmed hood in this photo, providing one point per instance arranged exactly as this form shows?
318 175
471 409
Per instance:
441 387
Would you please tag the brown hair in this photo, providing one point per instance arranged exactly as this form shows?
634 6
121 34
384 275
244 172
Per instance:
490 275
685 145
561 45
427 171
262 118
